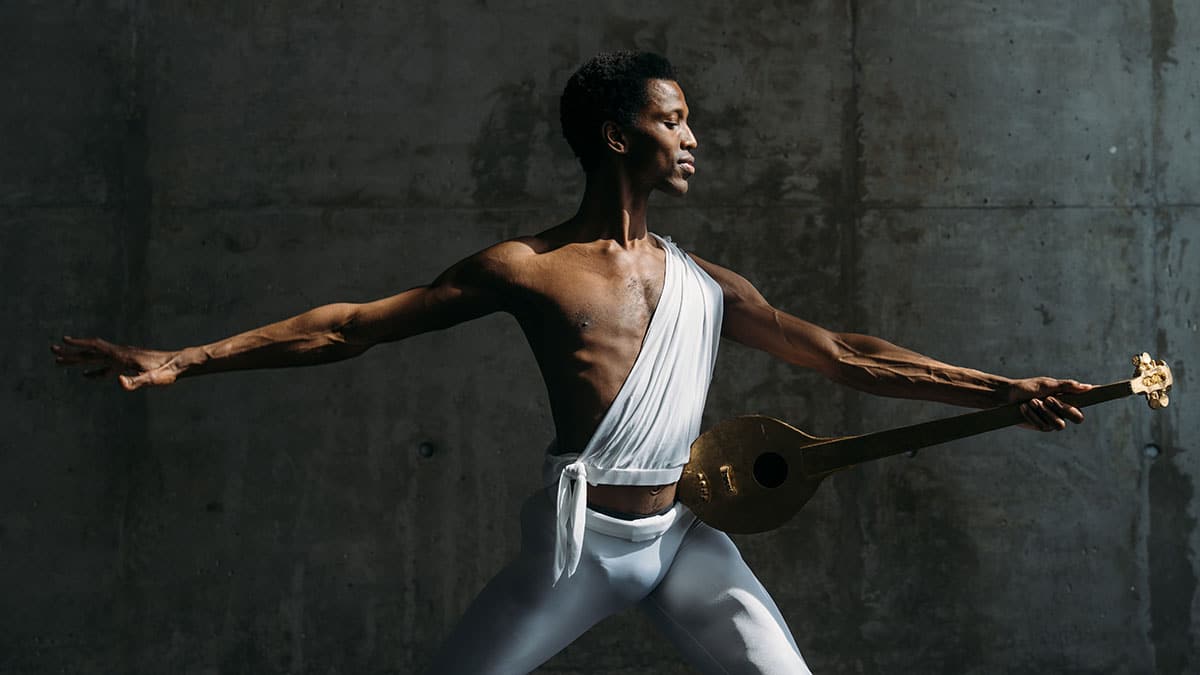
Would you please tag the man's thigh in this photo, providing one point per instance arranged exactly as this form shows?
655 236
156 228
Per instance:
718 614
521 618
517 623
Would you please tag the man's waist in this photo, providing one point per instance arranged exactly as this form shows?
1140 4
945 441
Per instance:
636 500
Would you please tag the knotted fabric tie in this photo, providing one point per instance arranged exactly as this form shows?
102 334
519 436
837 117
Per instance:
571 517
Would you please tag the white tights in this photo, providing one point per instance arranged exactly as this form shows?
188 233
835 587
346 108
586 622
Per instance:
690 581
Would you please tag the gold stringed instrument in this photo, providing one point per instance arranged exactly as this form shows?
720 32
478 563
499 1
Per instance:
753 473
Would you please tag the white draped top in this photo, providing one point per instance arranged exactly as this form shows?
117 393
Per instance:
645 436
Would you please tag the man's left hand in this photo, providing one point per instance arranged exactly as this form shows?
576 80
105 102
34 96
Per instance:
1042 410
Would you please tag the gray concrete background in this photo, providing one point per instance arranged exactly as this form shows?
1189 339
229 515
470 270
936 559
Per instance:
1008 185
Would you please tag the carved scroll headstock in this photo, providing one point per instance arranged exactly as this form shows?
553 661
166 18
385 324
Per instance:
1152 378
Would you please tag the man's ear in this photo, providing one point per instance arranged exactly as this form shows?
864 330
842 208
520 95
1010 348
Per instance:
614 138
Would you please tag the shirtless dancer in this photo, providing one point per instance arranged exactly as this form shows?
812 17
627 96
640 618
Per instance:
592 296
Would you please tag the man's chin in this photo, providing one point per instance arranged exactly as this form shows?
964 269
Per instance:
676 187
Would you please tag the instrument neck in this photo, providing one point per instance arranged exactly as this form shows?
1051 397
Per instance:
825 458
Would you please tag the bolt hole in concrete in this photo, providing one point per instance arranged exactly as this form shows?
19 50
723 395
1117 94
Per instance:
425 449
1151 451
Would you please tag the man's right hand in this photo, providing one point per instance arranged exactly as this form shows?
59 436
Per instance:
134 366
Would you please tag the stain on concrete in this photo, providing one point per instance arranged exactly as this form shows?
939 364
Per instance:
1162 40
501 151
1047 315
1162 34
841 193
923 564
1172 579
241 240
842 190
1171 490
771 183
634 32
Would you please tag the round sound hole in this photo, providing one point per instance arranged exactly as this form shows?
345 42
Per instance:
770 469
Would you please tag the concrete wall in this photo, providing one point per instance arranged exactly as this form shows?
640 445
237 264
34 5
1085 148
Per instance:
1009 185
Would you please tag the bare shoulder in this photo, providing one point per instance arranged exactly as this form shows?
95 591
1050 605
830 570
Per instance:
735 287
500 264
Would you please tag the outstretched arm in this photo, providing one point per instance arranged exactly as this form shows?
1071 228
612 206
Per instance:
472 288
879 367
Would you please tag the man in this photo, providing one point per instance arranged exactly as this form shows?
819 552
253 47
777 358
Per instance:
624 327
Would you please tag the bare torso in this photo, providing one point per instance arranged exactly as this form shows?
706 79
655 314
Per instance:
584 307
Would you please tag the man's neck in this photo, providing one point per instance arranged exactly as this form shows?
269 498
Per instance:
612 208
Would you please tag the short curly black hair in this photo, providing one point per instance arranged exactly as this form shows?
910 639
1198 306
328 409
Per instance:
609 87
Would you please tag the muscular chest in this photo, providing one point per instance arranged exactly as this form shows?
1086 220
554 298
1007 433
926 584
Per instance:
601 301
616 307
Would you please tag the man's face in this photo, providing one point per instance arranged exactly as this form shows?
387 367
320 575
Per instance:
660 141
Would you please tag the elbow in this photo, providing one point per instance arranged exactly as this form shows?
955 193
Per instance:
840 362
804 344
346 327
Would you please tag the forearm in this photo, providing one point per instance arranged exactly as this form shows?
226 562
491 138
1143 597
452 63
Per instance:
879 367
310 338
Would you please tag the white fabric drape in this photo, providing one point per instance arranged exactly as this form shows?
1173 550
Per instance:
645 436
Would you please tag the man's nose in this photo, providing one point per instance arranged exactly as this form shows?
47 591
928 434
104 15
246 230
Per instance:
689 139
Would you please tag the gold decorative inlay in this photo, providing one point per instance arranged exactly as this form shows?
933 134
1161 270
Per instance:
705 491
727 474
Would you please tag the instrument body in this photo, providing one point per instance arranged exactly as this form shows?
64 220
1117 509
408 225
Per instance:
745 474
753 473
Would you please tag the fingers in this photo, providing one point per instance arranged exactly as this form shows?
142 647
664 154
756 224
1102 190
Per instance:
1041 387
100 355
65 358
89 344
1044 410
1049 414
1074 386
75 351
1064 411
102 359
1038 417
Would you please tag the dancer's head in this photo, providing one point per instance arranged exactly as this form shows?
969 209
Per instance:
627 107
